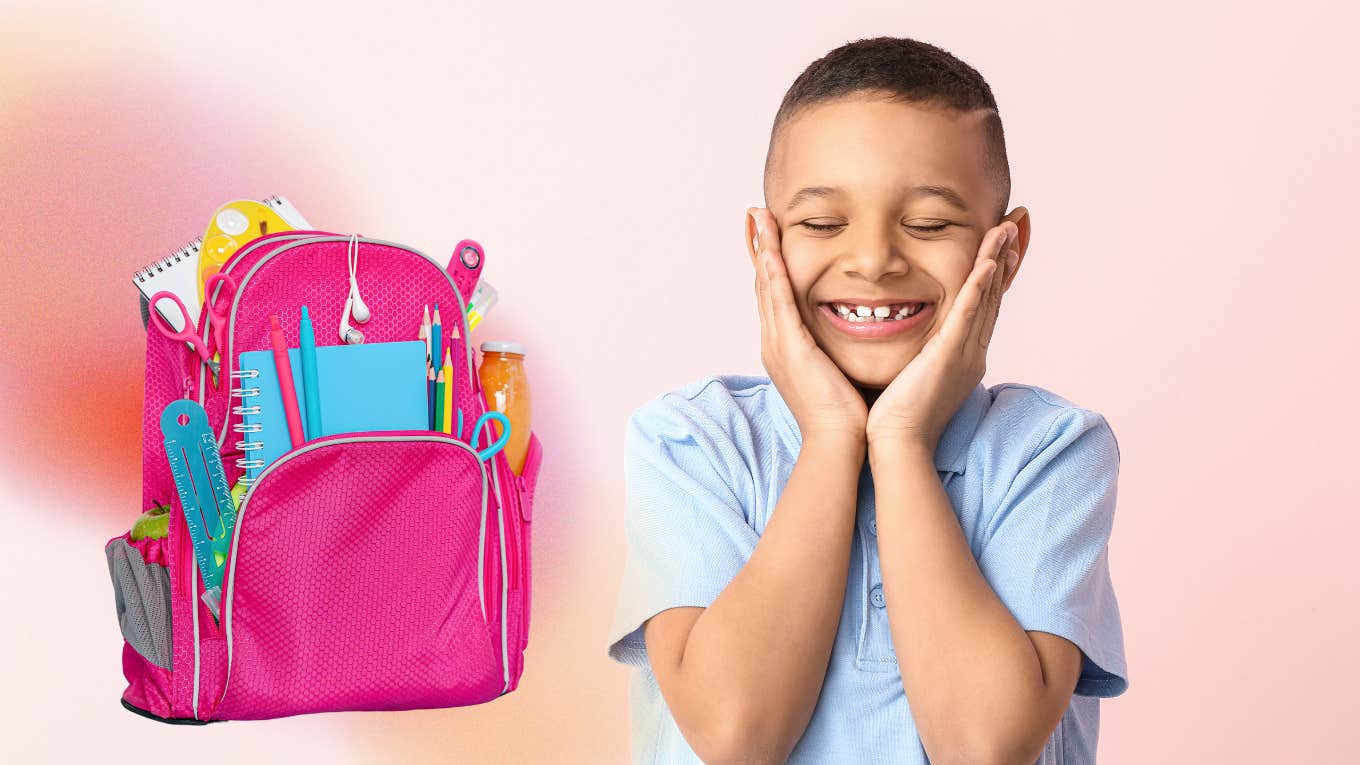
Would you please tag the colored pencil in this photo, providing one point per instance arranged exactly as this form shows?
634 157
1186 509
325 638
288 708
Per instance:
429 393
425 334
436 340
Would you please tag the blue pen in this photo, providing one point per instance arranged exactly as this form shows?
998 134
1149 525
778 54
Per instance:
311 385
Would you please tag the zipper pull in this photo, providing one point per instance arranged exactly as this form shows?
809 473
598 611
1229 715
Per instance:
188 387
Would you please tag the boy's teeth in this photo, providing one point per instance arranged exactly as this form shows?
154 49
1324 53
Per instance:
860 313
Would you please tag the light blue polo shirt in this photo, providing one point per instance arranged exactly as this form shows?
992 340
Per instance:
1030 475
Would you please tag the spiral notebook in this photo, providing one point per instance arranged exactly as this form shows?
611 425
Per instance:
178 271
366 387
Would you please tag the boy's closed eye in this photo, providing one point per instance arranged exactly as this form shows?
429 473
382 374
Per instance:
920 227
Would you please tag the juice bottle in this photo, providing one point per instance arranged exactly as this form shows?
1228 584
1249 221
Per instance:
506 388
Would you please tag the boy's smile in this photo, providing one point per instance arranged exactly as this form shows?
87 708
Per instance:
881 206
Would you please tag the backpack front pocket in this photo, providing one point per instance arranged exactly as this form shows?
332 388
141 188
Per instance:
358 580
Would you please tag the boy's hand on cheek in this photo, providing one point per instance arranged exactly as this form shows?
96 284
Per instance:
917 405
820 396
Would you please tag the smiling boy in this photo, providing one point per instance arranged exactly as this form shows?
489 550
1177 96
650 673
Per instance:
869 555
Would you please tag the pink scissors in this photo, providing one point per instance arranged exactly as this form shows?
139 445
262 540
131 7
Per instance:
217 315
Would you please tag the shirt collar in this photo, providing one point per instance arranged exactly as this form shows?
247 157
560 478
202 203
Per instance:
951 454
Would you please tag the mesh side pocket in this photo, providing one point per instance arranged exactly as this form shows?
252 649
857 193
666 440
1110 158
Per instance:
141 593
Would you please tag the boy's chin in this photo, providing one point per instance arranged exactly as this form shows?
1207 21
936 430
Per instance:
874 374
870 382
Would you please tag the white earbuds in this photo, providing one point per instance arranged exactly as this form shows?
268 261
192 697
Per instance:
353 302
349 334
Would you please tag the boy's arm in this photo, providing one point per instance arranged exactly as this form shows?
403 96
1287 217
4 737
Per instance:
981 689
742 676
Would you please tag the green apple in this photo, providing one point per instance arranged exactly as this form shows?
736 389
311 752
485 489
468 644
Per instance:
153 524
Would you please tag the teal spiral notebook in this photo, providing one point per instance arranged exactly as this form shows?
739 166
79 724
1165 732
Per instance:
365 387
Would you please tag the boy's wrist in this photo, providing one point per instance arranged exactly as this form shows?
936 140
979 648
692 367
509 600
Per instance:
847 441
897 447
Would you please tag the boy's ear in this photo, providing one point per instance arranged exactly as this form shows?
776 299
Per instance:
1021 218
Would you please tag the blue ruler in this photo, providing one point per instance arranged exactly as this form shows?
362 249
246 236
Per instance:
209 510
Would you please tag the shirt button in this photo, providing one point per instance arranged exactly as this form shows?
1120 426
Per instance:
873 527
876 596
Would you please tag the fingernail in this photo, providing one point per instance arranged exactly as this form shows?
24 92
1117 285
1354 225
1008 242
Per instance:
1011 259
760 224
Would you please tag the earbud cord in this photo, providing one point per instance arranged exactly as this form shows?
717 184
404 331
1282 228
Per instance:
352 255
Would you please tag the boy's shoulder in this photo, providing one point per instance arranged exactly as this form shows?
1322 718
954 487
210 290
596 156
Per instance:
721 402
1029 417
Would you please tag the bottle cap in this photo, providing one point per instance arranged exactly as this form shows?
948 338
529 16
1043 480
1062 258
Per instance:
502 346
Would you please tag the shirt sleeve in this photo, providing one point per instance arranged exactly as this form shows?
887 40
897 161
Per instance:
687 533
1046 553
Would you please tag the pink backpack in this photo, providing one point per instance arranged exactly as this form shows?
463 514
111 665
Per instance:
378 570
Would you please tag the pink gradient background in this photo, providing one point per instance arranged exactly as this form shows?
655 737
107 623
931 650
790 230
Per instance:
1191 169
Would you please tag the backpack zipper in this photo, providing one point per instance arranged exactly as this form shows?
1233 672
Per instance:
244 281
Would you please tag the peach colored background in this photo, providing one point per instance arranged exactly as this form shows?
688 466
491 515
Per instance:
1192 173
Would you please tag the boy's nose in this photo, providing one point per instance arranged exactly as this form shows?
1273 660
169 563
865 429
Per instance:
874 258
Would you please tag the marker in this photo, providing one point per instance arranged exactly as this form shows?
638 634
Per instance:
284 368
311 386
480 304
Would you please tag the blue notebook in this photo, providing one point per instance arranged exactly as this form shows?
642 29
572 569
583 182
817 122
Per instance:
370 386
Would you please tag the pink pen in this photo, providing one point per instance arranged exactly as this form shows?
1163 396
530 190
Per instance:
285 372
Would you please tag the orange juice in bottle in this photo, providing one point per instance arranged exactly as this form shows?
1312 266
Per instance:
506 388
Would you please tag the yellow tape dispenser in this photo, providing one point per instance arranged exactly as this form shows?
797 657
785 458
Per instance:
234 224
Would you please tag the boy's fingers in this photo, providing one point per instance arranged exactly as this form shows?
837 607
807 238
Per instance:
778 294
767 230
782 303
763 310
961 321
957 327
993 251
761 280
1003 267
993 307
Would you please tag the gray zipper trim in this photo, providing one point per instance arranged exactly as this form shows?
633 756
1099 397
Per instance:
505 571
240 521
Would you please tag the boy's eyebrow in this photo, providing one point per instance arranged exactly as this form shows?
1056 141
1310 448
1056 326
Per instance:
811 192
945 193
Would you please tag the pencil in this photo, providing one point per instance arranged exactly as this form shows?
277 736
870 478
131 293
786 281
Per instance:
436 341
424 333
454 334
447 424
429 394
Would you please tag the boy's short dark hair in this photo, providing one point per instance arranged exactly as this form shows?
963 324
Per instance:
905 70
